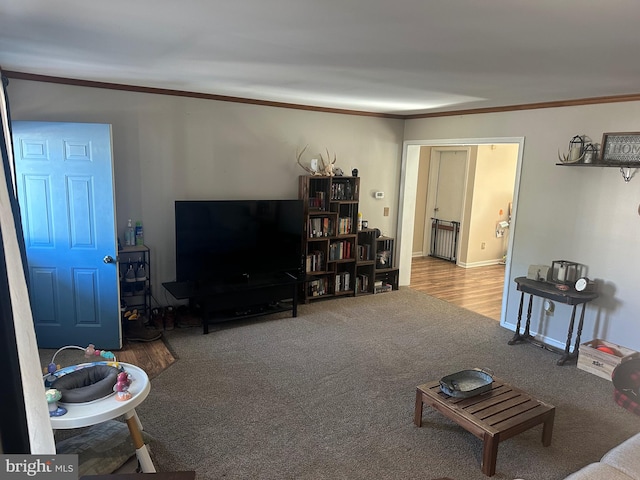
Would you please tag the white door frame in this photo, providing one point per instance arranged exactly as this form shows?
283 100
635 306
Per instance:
407 202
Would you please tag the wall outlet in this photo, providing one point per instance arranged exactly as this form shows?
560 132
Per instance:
483 245
386 211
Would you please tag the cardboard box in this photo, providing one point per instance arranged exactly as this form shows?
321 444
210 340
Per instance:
600 363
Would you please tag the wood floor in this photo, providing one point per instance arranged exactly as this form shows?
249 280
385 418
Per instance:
152 357
478 289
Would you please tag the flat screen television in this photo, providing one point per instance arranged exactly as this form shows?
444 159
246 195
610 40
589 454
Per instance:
232 240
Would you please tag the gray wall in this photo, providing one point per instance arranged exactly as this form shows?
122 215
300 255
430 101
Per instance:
586 215
170 148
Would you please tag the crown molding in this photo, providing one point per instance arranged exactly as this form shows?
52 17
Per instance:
224 98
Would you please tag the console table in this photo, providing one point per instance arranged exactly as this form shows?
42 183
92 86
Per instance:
550 291
249 297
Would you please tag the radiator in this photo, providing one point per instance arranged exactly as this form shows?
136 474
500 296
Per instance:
444 239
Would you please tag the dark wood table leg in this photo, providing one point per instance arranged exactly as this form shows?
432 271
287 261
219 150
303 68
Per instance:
205 316
294 310
547 429
517 337
528 324
489 454
576 347
417 416
566 354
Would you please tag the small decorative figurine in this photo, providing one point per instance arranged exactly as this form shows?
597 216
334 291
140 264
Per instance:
122 387
53 396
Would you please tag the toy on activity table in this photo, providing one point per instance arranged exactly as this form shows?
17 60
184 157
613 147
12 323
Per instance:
53 396
83 382
89 352
122 387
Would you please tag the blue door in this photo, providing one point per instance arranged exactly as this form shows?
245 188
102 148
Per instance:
64 177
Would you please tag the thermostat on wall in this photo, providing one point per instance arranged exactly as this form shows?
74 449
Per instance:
379 195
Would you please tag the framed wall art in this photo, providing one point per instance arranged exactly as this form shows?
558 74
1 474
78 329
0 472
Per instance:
621 148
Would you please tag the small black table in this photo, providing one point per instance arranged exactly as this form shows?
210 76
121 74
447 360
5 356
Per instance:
237 299
550 291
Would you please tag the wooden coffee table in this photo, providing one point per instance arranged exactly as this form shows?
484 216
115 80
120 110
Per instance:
494 416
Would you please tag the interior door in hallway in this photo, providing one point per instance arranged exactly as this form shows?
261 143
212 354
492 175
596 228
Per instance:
445 196
64 176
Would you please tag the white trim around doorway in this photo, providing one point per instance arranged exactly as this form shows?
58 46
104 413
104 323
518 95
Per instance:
407 203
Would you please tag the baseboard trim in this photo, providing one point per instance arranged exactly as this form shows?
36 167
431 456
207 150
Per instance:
485 263
540 338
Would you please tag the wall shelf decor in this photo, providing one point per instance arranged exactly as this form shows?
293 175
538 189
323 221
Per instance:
619 150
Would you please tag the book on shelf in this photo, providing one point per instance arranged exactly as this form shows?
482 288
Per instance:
317 202
340 250
317 288
315 261
343 282
344 225
320 227
364 252
362 283
342 191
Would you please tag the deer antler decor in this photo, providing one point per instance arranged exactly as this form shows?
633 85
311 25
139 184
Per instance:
299 156
326 166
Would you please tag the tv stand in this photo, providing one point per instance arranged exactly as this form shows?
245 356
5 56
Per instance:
251 296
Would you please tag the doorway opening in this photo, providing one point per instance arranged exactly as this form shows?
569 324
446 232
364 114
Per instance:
487 209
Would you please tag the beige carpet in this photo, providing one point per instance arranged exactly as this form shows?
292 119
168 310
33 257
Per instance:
330 395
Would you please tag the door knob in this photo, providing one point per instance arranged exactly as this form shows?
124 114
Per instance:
108 259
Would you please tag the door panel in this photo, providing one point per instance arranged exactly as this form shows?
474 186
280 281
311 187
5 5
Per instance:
450 187
64 177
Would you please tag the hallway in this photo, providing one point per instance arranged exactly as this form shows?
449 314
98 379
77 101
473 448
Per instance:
478 289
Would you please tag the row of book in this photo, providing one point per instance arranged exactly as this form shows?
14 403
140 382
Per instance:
340 250
364 252
342 191
320 227
362 283
318 287
343 282
345 225
316 261
339 191
317 202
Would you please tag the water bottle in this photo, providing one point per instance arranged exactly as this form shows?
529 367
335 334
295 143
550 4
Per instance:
139 240
129 236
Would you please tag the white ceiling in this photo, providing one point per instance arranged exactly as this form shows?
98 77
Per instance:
386 56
